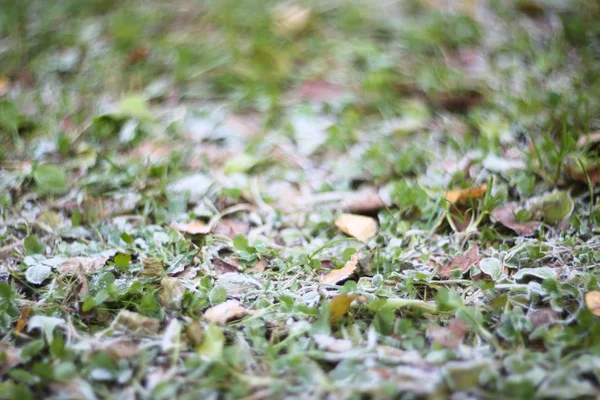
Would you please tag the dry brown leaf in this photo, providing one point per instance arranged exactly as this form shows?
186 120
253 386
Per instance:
543 317
593 137
151 153
506 216
449 336
82 264
122 348
221 267
318 91
339 275
193 228
463 262
260 266
456 196
339 306
232 227
224 312
365 201
592 302
135 322
138 55
593 172
11 357
357 226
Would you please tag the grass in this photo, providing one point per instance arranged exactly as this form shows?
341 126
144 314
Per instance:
172 177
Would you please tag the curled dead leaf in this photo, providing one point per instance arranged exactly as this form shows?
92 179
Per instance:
193 228
82 264
221 267
339 275
318 91
365 201
232 227
358 226
449 336
171 293
462 262
459 195
506 216
225 312
11 357
592 302
339 306
260 266
134 322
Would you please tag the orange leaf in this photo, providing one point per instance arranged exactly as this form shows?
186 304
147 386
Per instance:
456 196
339 275
357 226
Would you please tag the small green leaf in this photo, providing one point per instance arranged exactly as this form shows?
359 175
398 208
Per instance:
241 243
213 344
241 163
492 267
122 260
9 116
134 106
38 273
217 295
50 178
33 246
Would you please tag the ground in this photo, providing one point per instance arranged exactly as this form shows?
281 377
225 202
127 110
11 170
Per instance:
237 199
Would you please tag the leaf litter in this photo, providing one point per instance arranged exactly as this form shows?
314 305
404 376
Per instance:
191 224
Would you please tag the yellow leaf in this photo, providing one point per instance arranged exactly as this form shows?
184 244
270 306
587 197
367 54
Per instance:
357 226
592 302
339 305
456 196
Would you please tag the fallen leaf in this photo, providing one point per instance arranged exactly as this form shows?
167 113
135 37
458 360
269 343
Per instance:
22 319
318 91
232 227
543 317
552 207
462 262
592 170
221 267
171 293
592 302
138 55
134 322
151 153
11 357
4 85
449 336
260 266
195 332
193 228
152 266
122 348
357 226
339 306
82 264
365 201
291 19
328 343
339 275
506 216
224 312
459 195
592 138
